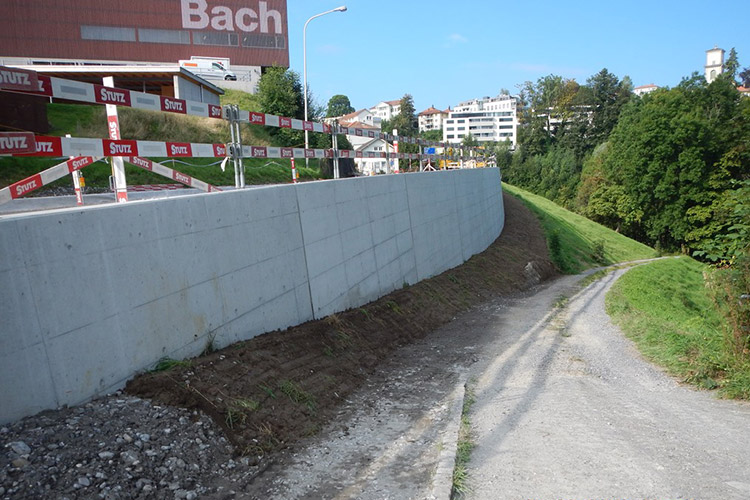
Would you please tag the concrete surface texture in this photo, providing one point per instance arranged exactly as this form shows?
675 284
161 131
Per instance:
91 296
570 410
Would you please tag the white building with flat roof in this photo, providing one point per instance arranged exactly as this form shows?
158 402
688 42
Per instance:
489 119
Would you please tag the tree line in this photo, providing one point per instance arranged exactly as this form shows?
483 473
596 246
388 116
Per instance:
669 169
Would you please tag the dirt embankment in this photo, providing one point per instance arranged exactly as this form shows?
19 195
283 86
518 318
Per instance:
271 390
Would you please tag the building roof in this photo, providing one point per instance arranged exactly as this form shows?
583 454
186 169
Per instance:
357 124
743 90
131 77
649 86
431 111
352 115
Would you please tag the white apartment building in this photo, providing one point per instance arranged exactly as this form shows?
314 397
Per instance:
386 110
487 120
431 119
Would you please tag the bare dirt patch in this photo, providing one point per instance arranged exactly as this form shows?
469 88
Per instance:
270 391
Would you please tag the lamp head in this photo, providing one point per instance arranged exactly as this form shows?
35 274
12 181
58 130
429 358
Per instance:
340 9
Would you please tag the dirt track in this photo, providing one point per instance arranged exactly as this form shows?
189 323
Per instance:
570 410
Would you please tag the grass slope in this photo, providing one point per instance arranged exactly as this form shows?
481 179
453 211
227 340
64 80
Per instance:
667 311
576 243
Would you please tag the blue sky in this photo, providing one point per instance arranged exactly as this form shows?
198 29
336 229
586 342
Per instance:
443 52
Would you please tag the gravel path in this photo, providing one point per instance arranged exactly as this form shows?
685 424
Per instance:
573 411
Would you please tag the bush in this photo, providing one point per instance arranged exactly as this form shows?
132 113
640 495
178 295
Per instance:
730 290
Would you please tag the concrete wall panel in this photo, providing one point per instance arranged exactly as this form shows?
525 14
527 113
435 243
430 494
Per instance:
89 297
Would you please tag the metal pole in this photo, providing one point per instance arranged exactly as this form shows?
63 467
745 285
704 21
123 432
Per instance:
304 68
234 147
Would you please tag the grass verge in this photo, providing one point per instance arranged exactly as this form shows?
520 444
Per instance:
576 243
667 311
464 446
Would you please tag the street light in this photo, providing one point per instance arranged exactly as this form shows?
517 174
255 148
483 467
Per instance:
304 66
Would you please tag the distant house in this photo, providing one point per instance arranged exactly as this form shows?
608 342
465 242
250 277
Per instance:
373 166
363 116
432 119
745 91
645 89
386 110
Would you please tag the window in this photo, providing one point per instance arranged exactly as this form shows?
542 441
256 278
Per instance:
108 33
264 41
164 36
215 38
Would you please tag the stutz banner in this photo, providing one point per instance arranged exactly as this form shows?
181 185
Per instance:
248 32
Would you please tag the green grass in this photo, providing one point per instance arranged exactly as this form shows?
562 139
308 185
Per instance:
464 446
666 309
168 363
575 242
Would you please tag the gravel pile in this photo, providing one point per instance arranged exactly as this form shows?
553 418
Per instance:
117 447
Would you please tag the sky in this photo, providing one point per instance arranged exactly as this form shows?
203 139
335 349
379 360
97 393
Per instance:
444 52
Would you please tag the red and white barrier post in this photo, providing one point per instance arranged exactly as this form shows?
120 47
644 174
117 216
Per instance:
76 175
118 165
294 171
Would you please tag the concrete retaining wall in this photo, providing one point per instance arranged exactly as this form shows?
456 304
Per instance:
90 297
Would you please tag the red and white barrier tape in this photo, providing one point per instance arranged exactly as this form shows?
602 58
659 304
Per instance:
68 146
165 171
71 146
29 184
147 188
29 81
61 88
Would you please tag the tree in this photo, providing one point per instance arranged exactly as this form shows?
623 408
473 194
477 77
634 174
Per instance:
405 121
670 161
608 96
280 93
745 77
432 135
731 65
470 141
339 105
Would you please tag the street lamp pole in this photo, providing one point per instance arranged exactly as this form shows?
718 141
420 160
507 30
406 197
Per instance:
304 66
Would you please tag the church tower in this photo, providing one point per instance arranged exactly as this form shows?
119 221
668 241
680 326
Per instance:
714 63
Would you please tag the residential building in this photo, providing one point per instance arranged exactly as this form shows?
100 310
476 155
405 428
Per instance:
432 119
487 119
714 63
645 89
745 91
386 110
363 117
373 166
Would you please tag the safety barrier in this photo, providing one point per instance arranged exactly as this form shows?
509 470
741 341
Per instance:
30 82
